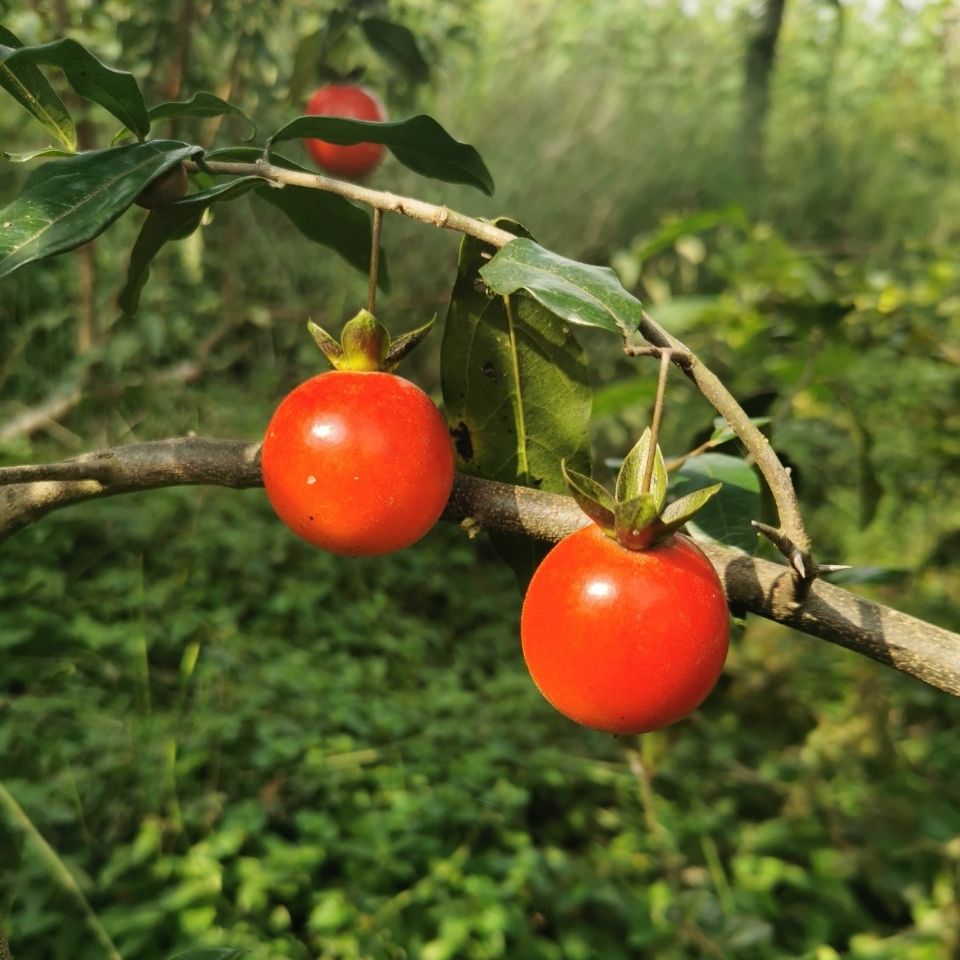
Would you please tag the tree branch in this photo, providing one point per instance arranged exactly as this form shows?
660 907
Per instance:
791 537
924 651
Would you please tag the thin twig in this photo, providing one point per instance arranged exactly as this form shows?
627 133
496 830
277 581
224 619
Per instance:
437 216
793 540
374 260
920 649
665 357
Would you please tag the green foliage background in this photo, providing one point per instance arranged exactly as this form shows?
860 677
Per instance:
231 739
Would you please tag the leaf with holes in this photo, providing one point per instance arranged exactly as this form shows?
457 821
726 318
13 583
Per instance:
26 84
515 389
65 203
577 292
726 518
419 143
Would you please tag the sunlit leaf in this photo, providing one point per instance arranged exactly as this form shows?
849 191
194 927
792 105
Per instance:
114 90
577 292
515 389
26 84
726 518
630 477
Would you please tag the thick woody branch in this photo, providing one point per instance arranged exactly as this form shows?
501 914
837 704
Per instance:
920 649
791 537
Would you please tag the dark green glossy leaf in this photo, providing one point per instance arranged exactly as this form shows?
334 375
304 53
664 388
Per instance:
592 498
577 292
174 221
26 84
516 392
201 104
419 143
726 518
115 90
65 203
631 472
211 953
322 217
398 46
33 154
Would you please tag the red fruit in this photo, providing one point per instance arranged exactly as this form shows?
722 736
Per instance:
358 463
356 103
622 640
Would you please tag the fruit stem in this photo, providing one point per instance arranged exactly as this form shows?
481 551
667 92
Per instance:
374 260
665 357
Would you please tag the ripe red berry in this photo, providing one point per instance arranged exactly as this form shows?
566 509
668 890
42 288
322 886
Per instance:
358 463
622 640
356 103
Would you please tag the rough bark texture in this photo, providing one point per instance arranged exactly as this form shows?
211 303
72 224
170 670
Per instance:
920 649
760 57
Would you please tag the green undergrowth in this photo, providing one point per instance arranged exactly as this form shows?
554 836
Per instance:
232 739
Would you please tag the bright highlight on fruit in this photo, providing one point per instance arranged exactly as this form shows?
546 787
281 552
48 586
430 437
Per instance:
625 625
358 461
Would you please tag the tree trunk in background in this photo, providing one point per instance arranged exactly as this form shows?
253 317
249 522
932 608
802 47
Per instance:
759 60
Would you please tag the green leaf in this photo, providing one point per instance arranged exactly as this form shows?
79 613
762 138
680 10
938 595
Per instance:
398 46
115 90
577 292
201 104
211 953
592 498
722 433
65 203
726 518
516 392
635 521
33 154
682 511
173 221
631 472
322 217
419 143
613 398
26 84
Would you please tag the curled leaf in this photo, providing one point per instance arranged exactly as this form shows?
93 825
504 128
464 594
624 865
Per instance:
630 477
592 498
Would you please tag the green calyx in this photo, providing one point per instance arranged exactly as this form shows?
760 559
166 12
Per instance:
638 516
365 344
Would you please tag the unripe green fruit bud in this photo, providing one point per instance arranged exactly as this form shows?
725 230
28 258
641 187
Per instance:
167 188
